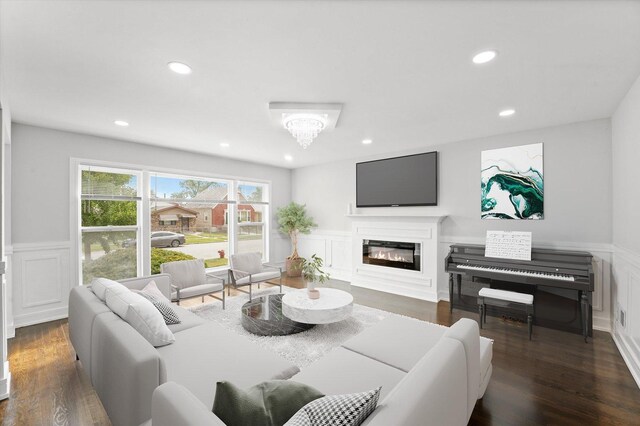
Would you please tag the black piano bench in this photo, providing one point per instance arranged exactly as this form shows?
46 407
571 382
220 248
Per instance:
505 299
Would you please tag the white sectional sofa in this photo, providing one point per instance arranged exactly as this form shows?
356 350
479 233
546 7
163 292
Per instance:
426 371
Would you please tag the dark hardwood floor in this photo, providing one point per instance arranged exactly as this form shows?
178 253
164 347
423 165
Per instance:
556 379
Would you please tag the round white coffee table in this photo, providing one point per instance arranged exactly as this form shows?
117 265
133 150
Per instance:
332 306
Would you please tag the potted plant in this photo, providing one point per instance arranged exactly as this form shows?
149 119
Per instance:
293 220
312 273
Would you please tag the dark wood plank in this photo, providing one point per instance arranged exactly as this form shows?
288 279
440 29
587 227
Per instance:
556 379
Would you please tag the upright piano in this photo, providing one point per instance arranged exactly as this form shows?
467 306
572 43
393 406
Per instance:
561 281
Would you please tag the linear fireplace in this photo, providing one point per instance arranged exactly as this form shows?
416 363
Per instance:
392 254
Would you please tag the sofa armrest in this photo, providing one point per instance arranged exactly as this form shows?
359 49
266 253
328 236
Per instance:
431 393
467 332
125 370
173 404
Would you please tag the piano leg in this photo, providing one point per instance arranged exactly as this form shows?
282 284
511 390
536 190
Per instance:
450 293
584 314
459 282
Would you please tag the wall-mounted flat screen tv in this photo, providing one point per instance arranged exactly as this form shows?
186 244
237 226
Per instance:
411 180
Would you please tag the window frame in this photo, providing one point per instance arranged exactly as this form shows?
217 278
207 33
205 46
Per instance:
144 206
81 230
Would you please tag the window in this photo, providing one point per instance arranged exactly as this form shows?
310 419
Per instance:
252 209
183 204
185 217
109 225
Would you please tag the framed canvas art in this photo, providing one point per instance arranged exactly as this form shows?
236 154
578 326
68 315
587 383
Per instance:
512 183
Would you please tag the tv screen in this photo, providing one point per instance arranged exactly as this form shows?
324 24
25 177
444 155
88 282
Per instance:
411 180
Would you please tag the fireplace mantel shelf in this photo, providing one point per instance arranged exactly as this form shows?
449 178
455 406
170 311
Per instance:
427 218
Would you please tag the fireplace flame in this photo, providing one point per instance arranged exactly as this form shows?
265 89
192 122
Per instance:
394 256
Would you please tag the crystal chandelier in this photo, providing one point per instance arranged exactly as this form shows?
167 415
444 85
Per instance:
304 127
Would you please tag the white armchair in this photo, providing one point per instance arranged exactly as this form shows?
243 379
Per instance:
247 269
190 279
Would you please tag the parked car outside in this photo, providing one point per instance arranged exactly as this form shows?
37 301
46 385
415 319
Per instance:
159 239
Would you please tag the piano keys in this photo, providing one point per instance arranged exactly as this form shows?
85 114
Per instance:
562 283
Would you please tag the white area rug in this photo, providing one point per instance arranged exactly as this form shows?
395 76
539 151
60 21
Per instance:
301 349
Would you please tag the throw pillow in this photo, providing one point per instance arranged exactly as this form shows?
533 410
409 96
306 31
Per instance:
269 403
152 289
146 320
337 410
141 315
99 287
162 305
118 300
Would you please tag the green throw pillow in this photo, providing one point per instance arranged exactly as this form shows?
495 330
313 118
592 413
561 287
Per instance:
270 403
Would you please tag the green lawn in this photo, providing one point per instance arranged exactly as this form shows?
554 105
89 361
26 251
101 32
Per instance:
212 263
206 237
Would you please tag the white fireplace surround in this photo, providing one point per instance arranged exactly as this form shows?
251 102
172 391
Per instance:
422 230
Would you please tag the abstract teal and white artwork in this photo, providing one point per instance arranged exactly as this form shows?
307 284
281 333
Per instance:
512 183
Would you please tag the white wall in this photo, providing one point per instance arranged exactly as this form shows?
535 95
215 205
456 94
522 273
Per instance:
577 180
577 199
626 227
40 206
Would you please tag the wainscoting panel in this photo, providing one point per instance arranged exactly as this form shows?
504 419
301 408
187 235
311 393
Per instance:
626 296
40 282
333 247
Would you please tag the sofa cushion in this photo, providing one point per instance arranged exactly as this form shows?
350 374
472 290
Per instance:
99 287
204 355
259 277
397 341
342 371
187 320
269 403
351 409
197 290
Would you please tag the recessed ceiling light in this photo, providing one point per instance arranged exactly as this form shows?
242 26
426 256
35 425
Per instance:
288 157
224 144
507 112
121 123
179 67
367 142
484 57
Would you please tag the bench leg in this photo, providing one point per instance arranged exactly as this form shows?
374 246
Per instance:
481 312
530 324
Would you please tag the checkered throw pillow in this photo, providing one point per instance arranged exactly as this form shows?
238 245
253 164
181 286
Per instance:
337 410
169 315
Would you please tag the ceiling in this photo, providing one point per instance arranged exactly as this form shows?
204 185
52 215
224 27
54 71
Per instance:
401 69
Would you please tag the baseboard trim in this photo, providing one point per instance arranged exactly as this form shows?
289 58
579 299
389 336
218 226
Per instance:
602 324
633 364
40 317
5 382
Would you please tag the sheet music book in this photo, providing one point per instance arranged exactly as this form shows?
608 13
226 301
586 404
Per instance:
508 245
